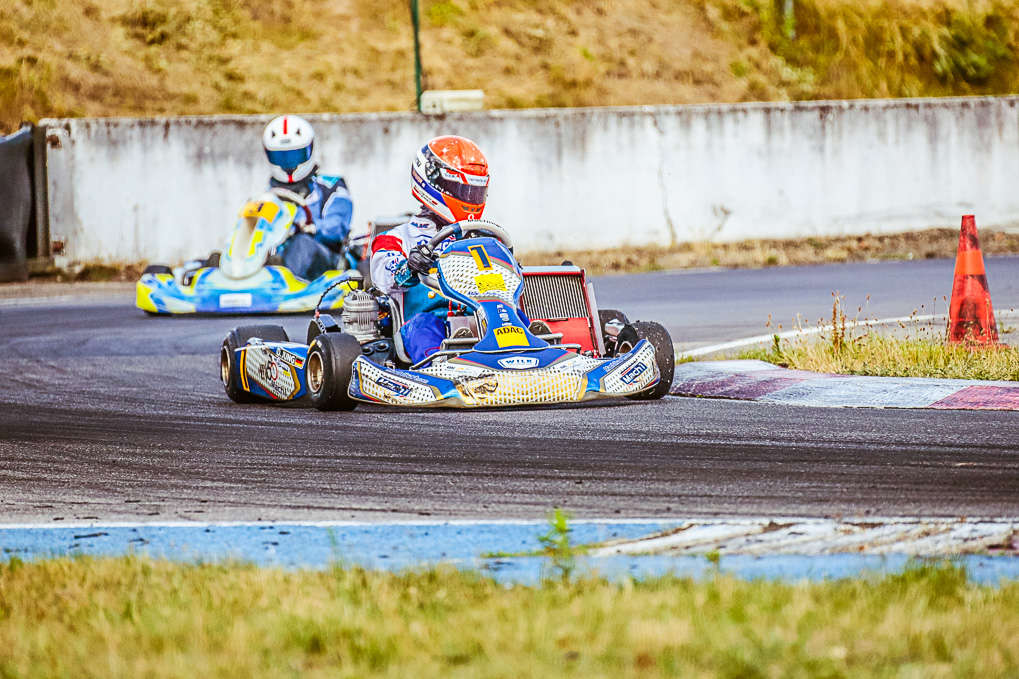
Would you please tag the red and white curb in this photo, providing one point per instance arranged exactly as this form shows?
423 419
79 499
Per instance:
764 382
912 536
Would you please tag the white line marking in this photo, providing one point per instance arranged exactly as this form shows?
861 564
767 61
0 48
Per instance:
801 332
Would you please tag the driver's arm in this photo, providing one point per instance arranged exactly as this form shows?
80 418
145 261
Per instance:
334 223
389 265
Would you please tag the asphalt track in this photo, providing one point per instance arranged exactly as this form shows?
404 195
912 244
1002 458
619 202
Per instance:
107 414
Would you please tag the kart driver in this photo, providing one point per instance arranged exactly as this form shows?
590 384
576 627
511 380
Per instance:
324 221
450 180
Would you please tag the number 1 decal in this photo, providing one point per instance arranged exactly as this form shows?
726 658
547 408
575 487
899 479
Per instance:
481 257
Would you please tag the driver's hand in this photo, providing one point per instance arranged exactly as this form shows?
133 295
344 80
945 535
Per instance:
419 262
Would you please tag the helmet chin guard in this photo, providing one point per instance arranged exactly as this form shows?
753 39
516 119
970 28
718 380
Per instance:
289 143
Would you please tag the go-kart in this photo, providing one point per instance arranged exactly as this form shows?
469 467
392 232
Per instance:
243 278
567 352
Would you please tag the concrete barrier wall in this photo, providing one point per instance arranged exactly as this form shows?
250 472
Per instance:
168 189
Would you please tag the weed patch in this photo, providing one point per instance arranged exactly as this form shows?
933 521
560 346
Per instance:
919 349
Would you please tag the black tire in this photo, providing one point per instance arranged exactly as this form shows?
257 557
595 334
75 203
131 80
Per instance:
606 315
329 368
626 338
234 340
213 261
665 357
157 268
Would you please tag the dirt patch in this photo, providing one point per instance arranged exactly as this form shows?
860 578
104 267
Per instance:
927 244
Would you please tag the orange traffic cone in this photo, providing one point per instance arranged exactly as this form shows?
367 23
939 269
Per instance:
971 316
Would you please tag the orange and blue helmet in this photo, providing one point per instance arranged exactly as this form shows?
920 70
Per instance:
450 178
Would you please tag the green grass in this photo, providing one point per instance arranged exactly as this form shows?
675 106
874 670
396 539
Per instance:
851 348
131 617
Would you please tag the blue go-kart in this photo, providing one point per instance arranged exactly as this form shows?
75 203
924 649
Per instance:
517 337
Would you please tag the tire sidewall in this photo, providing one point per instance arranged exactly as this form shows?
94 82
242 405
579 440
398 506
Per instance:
665 357
337 352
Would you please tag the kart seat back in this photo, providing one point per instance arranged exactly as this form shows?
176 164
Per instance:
396 309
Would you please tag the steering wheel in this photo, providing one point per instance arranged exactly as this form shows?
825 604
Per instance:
289 196
466 229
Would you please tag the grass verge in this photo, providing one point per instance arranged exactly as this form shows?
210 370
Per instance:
854 348
755 254
172 57
129 617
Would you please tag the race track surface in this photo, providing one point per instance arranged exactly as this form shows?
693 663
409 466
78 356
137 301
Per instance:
107 414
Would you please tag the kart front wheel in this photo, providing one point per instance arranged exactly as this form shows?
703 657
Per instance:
236 339
328 370
665 357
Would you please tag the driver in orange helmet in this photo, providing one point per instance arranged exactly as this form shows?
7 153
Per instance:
450 180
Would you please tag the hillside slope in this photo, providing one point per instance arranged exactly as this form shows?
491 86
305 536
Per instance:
154 57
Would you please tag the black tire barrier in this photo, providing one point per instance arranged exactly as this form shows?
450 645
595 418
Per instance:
15 204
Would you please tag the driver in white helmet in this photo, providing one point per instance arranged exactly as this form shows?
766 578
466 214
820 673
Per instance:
289 143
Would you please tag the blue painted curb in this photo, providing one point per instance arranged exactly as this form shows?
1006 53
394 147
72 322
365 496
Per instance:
400 546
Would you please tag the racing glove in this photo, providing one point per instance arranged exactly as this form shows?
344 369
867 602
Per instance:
404 277
419 262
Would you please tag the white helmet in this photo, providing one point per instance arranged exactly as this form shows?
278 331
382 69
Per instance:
289 143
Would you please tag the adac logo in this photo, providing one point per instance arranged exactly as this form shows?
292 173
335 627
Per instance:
631 374
519 362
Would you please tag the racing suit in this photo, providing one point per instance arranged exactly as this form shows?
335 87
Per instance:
329 208
424 311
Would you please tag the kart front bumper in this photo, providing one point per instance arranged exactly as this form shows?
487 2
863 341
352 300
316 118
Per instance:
579 379
273 289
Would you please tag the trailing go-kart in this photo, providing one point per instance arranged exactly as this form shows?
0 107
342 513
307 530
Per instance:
242 278
569 351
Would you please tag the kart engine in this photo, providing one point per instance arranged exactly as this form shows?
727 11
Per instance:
360 316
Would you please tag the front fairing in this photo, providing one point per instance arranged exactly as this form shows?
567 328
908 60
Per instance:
271 289
262 226
515 378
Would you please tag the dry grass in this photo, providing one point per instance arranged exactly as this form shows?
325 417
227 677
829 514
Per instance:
148 57
131 617
927 244
917 349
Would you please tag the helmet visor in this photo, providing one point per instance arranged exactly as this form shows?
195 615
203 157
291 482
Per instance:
289 159
465 193
447 182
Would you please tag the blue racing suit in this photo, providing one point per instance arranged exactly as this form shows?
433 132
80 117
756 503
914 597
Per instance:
329 208
424 312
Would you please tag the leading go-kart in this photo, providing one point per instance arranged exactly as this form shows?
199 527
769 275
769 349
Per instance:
492 357
243 278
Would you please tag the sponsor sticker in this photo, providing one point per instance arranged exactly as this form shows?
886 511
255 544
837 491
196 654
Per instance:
289 357
510 336
519 362
267 371
235 300
487 282
392 386
630 375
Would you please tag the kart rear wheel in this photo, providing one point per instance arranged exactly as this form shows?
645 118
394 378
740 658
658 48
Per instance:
234 340
157 268
328 370
665 357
